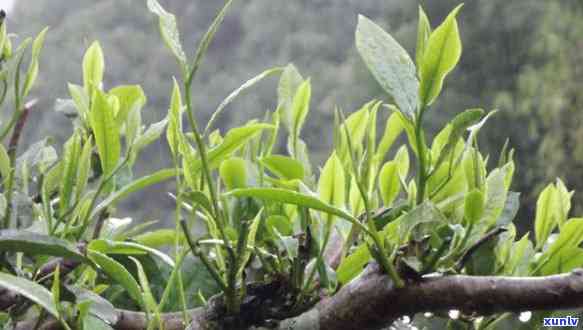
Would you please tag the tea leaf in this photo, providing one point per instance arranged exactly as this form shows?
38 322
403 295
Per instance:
130 97
389 182
31 290
106 132
93 66
284 167
423 33
169 31
37 244
119 274
389 63
291 197
233 172
441 55
546 217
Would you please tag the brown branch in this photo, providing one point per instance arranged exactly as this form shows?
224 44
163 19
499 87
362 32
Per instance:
371 301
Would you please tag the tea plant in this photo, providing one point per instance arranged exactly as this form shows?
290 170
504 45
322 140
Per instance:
358 243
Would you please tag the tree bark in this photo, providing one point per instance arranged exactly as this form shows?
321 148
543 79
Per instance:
371 301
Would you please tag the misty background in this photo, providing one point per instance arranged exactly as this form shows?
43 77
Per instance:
522 57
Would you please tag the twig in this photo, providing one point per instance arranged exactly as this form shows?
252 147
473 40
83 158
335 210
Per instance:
472 249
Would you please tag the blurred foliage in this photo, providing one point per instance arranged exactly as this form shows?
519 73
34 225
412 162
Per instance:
524 57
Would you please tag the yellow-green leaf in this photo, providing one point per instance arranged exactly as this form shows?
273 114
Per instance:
105 131
233 172
93 66
389 182
423 33
442 53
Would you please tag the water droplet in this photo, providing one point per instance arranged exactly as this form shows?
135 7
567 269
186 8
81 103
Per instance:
454 314
428 314
525 316
406 319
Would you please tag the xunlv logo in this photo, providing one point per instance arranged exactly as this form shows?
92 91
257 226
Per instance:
567 321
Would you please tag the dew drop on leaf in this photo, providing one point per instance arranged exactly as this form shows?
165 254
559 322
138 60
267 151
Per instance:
525 316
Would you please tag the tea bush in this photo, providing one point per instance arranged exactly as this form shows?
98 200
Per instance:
360 243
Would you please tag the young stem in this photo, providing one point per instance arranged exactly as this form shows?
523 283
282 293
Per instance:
231 292
421 168
372 230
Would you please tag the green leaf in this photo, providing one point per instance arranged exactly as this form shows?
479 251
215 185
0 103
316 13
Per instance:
31 290
301 107
458 125
32 73
94 323
331 185
149 300
355 200
174 133
37 244
474 206
441 55
246 253
119 274
403 162
134 186
93 66
352 265
564 198
198 198
207 39
156 238
100 307
563 261
423 33
84 168
546 219
424 213
280 223
115 247
284 167
289 83
81 99
291 197
389 63
570 236
70 166
56 290
105 131
152 133
233 172
5 167
496 193
131 97
389 182
520 258
235 139
229 99
169 31
356 124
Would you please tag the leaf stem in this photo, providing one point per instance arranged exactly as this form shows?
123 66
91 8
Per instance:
421 166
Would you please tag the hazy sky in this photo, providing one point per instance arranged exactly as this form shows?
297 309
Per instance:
6 4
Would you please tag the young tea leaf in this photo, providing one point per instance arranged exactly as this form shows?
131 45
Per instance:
441 55
169 31
93 66
389 63
105 131
233 172
284 167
